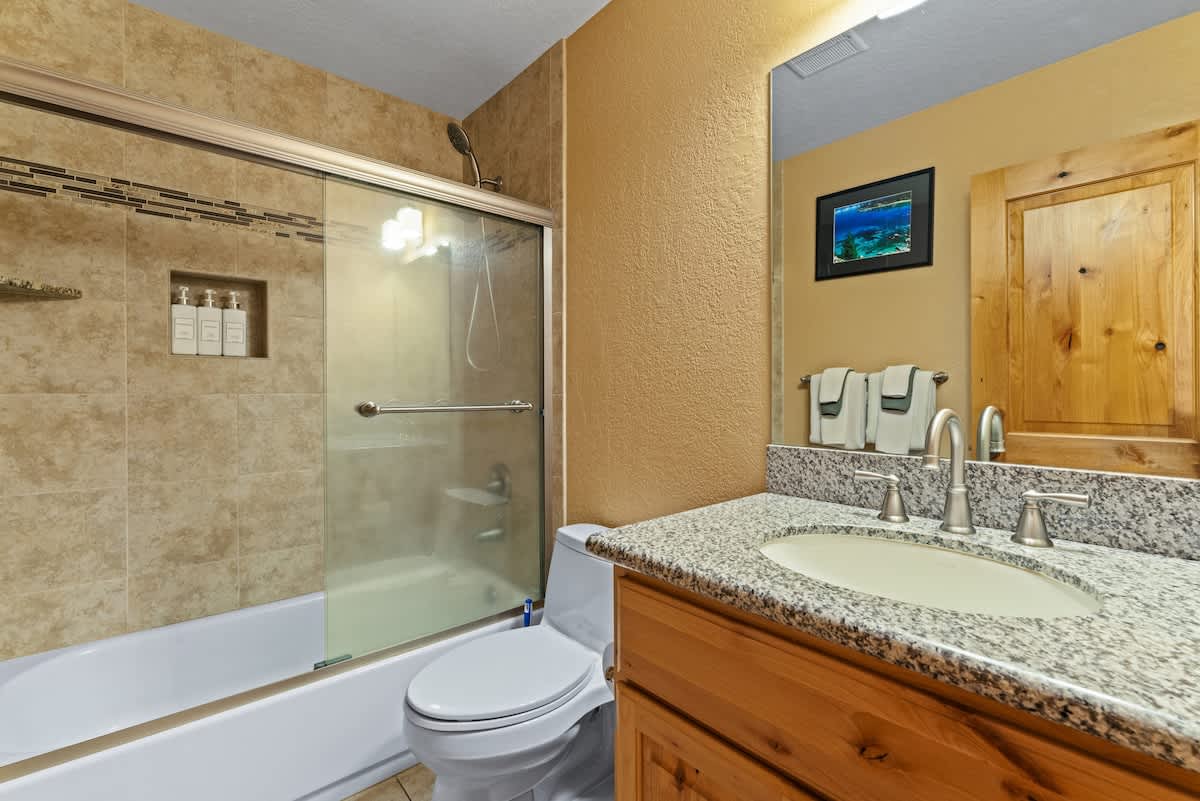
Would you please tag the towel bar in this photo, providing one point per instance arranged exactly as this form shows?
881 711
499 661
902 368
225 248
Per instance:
939 378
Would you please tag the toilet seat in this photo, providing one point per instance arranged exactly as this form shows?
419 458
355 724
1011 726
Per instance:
499 680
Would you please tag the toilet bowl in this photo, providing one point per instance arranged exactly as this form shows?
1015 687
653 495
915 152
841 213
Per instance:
525 714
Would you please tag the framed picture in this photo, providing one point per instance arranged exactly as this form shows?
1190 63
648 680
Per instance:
886 225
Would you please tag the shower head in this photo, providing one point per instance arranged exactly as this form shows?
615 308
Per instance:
462 143
459 138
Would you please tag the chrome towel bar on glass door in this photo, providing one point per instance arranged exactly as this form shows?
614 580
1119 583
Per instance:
373 409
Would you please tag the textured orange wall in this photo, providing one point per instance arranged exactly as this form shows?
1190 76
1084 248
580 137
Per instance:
668 276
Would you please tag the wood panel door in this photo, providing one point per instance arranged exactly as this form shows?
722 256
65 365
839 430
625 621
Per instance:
662 756
1083 281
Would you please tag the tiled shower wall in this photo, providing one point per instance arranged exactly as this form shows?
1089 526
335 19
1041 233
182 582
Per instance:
139 488
518 133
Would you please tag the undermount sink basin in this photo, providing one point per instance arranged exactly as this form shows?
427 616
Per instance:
929 576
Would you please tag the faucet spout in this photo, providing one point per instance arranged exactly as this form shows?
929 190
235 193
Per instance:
989 439
956 517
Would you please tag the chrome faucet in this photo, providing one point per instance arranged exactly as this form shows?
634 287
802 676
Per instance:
956 516
989 438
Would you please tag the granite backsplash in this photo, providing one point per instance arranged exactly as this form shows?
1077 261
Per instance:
1151 514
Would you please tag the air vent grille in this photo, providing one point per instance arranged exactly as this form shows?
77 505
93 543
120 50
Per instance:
827 54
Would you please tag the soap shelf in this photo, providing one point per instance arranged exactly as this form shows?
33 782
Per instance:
13 288
252 294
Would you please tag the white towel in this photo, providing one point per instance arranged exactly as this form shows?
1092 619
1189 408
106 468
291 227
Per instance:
901 432
848 428
924 407
874 385
814 409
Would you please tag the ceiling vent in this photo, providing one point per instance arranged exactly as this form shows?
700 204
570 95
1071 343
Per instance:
826 54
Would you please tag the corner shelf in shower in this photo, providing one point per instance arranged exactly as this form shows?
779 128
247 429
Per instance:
18 288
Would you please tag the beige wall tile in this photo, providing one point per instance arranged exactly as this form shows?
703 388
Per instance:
185 523
177 62
57 241
73 346
280 510
279 433
270 576
168 165
182 593
157 245
81 37
293 268
58 539
56 618
296 363
56 443
362 120
182 438
280 189
153 369
279 94
58 141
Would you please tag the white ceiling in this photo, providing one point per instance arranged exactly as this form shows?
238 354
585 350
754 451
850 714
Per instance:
941 50
448 55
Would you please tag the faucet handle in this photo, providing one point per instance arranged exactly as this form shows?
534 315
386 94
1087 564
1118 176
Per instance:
1031 525
893 504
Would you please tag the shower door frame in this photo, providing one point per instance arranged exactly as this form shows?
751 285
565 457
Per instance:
100 102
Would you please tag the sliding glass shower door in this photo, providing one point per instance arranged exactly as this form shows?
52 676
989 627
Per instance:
434 517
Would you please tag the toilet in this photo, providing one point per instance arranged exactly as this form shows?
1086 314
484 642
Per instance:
527 713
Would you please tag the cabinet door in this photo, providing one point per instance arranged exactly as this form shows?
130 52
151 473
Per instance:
1083 273
662 756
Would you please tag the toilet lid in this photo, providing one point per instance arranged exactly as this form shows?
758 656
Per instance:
500 675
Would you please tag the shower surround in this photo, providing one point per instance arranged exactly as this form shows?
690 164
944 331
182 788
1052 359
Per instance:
139 489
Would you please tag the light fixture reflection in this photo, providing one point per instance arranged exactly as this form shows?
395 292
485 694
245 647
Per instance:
899 8
405 229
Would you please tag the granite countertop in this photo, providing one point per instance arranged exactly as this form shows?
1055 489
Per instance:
1129 673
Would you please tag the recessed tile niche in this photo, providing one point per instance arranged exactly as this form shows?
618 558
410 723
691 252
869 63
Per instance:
252 298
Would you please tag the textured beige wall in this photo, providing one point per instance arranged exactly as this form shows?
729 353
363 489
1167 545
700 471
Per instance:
923 315
668 283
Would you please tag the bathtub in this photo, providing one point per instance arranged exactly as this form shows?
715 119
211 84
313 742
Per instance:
318 738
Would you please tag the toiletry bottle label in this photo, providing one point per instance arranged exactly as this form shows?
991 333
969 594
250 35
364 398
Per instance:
210 331
185 328
235 333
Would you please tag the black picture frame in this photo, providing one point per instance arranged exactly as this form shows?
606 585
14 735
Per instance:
839 260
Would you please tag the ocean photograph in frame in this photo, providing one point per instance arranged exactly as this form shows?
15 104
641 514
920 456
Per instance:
885 225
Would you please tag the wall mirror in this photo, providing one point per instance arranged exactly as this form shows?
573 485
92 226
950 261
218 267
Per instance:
1060 278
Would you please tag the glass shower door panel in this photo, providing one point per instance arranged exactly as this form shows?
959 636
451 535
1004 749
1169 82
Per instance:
433 520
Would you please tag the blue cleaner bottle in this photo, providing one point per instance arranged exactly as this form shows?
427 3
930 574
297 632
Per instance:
528 610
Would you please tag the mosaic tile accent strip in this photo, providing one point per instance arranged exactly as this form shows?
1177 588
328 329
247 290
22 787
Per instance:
44 180
1151 514
1126 673
19 286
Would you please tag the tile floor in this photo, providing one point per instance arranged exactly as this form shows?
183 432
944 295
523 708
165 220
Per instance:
414 784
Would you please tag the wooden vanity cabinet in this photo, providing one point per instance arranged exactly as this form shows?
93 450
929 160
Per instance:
715 704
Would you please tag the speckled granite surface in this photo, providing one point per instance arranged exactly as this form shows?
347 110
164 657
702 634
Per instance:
1151 514
1129 674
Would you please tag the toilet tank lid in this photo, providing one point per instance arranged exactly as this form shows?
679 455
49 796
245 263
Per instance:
575 536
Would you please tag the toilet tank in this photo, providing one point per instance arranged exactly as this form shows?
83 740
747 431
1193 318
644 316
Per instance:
579 593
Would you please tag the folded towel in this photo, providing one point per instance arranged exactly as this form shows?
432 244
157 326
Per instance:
900 430
925 407
874 396
832 390
848 428
814 409
896 389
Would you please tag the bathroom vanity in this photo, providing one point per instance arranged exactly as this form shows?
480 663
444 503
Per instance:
738 678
